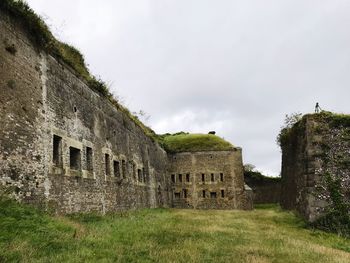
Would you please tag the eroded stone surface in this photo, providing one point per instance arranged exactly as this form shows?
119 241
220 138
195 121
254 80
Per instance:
314 149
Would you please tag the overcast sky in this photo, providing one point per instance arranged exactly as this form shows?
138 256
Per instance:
236 67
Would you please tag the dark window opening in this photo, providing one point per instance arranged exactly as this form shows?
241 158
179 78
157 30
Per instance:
180 178
222 193
203 193
212 194
212 177
187 177
221 177
107 164
89 162
75 109
139 175
74 158
177 195
184 193
144 175
57 150
173 178
116 168
133 167
123 169
203 177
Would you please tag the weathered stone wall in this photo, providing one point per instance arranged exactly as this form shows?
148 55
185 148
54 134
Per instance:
265 190
208 180
317 146
56 133
65 147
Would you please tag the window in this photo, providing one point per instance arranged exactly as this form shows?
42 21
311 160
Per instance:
144 175
74 158
212 178
133 167
203 193
212 194
177 195
184 193
139 175
188 178
107 164
123 169
89 161
180 178
222 193
116 168
221 177
173 178
203 177
57 150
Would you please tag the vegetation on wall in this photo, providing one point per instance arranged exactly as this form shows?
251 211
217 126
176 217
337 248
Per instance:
252 175
42 37
295 121
336 169
186 142
291 122
337 218
335 131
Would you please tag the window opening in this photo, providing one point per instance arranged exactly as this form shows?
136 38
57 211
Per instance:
74 158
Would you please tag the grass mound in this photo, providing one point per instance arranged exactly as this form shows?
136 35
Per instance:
186 142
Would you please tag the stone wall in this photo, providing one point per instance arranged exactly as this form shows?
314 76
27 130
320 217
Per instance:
265 190
316 147
65 146
208 180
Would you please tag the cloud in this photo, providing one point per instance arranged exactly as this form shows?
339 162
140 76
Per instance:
236 67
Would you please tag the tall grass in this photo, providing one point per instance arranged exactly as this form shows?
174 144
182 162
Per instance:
164 235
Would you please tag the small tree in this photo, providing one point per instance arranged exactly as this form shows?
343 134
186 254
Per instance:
289 121
249 167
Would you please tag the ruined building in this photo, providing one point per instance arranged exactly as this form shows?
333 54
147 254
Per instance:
65 145
209 179
316 164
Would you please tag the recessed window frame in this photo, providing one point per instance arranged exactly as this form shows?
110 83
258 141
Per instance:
74 158
57 158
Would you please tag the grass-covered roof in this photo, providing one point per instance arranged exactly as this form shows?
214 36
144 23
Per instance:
186 142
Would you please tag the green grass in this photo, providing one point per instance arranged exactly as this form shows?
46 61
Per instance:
186 142
266 234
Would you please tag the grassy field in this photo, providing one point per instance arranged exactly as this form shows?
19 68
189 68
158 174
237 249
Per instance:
165 235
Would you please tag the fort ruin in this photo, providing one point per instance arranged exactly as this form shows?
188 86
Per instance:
316 164
66 147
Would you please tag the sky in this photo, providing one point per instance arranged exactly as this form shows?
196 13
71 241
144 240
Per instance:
234 67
